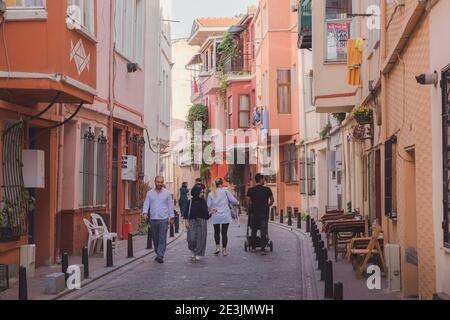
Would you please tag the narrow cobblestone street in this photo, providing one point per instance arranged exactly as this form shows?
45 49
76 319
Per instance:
239 276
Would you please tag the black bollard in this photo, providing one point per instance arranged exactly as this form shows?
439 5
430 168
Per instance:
308 224
177 224
319 253
149 239
338 291
272 214
85 261
299 218
324 257
130 246
281 216
109 255
65 264
329 280
23 287
172 230
289 211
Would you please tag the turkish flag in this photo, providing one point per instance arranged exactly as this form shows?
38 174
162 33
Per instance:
195 85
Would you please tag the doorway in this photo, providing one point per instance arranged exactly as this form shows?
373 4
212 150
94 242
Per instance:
115 179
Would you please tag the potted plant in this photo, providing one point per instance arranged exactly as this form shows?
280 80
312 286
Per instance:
363 114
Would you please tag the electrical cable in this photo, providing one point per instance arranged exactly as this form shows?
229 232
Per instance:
36 116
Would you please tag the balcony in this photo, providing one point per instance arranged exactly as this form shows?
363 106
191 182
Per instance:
44 57
305 23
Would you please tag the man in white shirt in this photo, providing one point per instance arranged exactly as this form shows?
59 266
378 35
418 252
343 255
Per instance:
158 207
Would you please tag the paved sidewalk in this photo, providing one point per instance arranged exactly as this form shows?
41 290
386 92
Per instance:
354 288
97 269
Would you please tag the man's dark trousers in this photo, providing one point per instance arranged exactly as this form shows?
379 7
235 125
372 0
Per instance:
262 224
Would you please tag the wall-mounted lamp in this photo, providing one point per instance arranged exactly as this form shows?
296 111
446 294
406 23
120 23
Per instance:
428 79
131 67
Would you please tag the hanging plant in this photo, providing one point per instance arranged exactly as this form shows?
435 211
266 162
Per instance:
363 114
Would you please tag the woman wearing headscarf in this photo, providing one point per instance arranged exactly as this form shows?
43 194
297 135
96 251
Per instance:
196 217
219 203
184 191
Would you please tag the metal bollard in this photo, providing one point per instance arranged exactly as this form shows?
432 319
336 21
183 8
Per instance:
319 253
281 216
177 224
130 246
338 291
289 211
308 224
85 261
149 239
23 287
329 280
172 230
65 264
272 214
109 255
299 218
324 257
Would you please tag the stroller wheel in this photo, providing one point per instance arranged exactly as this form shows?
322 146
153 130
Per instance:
271 246
246 246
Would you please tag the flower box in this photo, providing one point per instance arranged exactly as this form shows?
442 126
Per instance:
364 118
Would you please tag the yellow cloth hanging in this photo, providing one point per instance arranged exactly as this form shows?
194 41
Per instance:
354 61
360 44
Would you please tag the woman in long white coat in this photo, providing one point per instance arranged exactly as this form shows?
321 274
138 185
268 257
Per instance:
219 202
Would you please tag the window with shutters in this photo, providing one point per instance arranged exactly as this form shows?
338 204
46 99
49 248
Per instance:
284 90
312 174
303 168
93 157
136 147
446 153
290 164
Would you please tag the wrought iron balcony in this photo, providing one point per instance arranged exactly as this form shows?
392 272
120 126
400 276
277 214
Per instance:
305 25
238 64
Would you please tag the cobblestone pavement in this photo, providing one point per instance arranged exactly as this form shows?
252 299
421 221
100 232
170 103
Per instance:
239 276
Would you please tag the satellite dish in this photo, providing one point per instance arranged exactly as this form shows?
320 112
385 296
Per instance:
73 17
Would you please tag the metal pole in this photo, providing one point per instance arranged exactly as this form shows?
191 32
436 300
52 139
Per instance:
149 238
130 246
23 288
85 262
109 255
338 291
329 280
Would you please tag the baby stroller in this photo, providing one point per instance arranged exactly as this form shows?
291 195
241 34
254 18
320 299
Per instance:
258 240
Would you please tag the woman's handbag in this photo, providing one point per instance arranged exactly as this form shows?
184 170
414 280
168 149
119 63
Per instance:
191 238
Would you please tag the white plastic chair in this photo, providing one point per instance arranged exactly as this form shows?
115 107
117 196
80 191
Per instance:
94 235
98 221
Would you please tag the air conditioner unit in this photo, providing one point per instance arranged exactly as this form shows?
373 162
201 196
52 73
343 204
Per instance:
392 254
28 259
129 168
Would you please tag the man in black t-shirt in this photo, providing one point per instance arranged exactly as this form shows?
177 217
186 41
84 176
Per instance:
260 200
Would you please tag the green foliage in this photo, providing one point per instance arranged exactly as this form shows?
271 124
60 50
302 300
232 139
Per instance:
235 174
229 47
198 112
340 117
325 131
143 227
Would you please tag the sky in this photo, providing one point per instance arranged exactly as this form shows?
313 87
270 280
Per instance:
187 10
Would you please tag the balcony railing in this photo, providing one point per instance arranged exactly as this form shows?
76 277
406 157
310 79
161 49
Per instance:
305 23
239 64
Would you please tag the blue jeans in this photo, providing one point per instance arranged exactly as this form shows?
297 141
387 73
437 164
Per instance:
159 236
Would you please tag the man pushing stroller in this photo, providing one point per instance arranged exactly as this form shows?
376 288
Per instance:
260 200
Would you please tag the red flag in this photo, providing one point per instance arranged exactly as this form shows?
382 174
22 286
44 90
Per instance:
195 85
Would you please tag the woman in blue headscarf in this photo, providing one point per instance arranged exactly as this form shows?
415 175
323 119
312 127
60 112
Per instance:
196 217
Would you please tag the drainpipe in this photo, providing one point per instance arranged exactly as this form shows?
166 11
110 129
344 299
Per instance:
383 49
110 125
305 125
60 141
